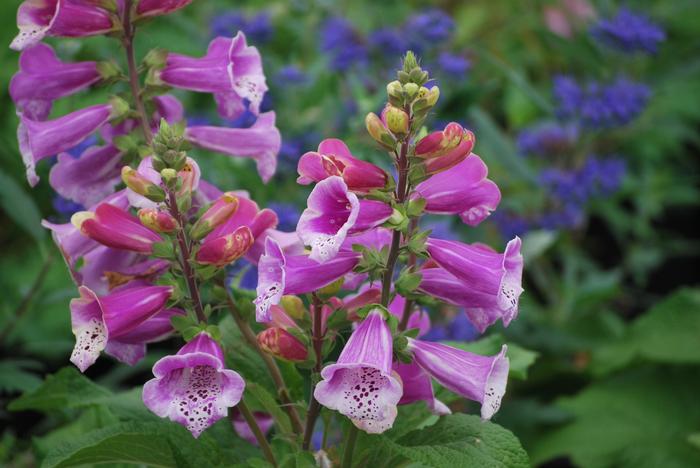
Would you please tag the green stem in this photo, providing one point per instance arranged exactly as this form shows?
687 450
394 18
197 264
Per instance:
411 263
128 42
314 406
259 436
349 447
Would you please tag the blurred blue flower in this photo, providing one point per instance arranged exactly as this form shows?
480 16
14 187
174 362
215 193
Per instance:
436 333
388 42
431 26
441 227
287 214
342 44
257 29
290 75
600 105
245 120
77 150
245 272
458 329
510 224
629 32
454 65
199 119
548 139
64 207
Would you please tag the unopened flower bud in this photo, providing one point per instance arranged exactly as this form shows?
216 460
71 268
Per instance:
397 120
396 218
157 220
411 89
220 211
293 306
168 174
190 178
331 289
141 185
433 95
377 130
225 249
282 344
395 89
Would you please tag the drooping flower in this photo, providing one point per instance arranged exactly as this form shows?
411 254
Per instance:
116 228
260 142
361 384
63 18
42 78
41 139
487 284
629 32
130 347
220 251
279 274
478 378
417 386
97 320
149 8
462 189
280 343
333 158
333 212
217 214
90 177
231 70
444 149
241 427
192 387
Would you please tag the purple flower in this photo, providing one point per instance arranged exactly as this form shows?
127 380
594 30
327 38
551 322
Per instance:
43 78
260 142
280 274
89 178
430 26
243 430
510 224
231 70
149 8
193 388
463 189
41 139
361 384
487 284
97 320
65 207
63 18
287 214
478 378
257 28
388 42
454 65
417 386
629 32
244 272
548 139
291 75
333 213
342 43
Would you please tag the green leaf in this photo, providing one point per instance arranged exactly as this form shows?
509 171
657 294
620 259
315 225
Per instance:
536 243
15 375
161 444
455 440
20 207
265 401
668 333
638 419
298 460
520 358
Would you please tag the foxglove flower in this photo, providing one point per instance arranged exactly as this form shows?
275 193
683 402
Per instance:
116 228
444 149
97 320
88 178
114 268
231 70
41 139
43 78
190 175
279 275
487 284
260 142
478 378
333 158
280 343
417 386
241 427
63 18
462 189
247 214
130 348
221 251
193 388
218 213
333 212
361 384
149 8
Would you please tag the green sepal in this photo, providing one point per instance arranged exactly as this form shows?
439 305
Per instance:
407 282
416 207
181 322
338 320
400 343
164 249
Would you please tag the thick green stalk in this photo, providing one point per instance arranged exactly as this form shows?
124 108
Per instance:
257 432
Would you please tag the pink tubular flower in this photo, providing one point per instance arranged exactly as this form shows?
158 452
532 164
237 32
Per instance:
241 427
333 212
478 378
220 251
260 142
361 384
444 149
217 214
462 189
333 158
97 320
130 348
39 140
63 18
487 284
417 386
193 388
231 70
114 227
280 343
43 78
148 8
90 177
279 275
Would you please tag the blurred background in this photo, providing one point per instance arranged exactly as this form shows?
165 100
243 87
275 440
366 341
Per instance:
586 113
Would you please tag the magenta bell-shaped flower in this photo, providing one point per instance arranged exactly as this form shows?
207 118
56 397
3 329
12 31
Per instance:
43 78
486 283
463 190
231 70
149 8
97 320
361 384
418 386
279 275
41 139
333 213
193 388
260 142
63 18
333 158
478 378
444 149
